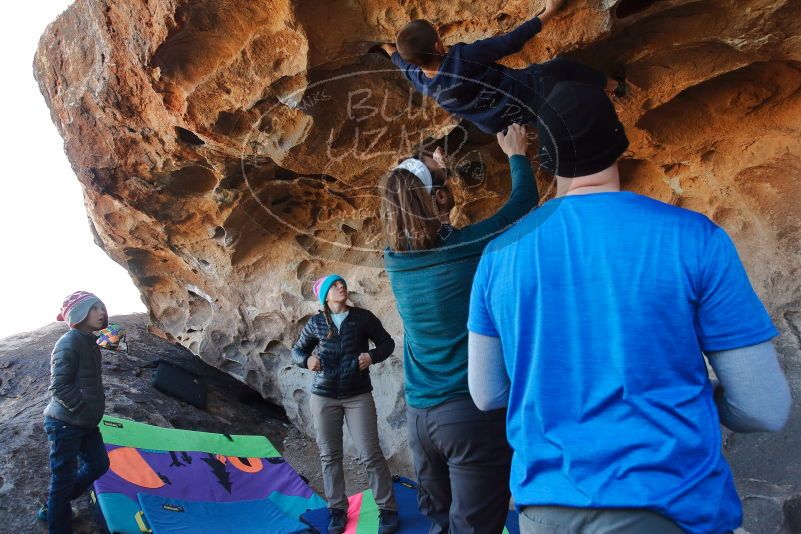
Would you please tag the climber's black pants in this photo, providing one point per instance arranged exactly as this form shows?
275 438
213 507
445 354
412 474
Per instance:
462 462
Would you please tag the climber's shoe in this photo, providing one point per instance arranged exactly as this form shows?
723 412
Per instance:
619 75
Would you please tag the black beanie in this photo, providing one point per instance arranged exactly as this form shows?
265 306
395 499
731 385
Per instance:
579 132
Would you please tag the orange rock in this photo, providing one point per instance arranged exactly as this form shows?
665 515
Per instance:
229 151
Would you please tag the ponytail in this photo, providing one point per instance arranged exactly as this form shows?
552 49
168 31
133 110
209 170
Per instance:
328 321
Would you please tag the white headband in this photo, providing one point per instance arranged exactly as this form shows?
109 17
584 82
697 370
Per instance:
419 169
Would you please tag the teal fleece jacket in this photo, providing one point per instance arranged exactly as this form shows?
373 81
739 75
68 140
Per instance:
432 292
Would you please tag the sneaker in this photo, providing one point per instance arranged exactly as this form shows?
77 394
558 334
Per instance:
41 515
389 522
338 520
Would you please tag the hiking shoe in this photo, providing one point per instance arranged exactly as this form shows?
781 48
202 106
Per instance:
621 90
619 75
389 522
337 523
41 515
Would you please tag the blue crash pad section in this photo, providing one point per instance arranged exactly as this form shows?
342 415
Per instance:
176 516
411 520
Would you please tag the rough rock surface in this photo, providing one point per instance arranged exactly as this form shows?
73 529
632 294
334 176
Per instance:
229 153
232 407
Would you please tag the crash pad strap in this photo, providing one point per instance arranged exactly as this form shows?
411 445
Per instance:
125 433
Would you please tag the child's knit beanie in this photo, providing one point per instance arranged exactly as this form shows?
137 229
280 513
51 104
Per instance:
76 307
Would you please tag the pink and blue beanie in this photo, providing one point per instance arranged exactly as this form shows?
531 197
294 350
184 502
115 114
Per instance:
322 286
76 307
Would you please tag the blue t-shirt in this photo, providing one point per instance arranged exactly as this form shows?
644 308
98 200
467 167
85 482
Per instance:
603 304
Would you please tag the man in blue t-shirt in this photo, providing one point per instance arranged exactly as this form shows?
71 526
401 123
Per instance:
590 317
466 80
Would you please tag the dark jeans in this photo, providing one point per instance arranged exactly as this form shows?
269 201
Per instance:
68 444
462 462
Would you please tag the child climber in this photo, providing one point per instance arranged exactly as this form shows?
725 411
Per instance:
466 80
76 406
341 391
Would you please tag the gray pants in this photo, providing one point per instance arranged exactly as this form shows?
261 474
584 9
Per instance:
564 520
462 462
359 412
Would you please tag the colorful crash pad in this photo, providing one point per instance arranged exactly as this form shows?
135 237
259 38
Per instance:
205 468
363 513
198 476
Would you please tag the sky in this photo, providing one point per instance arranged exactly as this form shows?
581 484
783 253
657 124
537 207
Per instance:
47 248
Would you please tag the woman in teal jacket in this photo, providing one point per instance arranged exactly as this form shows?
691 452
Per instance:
460 453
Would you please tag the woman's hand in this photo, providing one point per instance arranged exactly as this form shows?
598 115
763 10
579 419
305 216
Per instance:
313 363
364 361
514 142
389 48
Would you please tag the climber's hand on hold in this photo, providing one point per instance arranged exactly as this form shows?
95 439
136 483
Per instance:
389 48
551 7
513 141
313 363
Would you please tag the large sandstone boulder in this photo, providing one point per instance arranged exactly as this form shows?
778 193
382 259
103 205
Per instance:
229 153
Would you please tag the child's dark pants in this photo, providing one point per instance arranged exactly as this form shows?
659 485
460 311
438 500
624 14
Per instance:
68 444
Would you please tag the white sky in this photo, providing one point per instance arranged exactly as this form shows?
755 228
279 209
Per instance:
47 250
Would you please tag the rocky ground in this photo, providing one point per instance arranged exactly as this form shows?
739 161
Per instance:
24 378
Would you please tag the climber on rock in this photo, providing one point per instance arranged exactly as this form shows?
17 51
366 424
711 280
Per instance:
76 407
342 392
589 321
466 80
461 457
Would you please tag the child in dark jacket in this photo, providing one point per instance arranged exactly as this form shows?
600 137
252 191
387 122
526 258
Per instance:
76 407
466 80
341 391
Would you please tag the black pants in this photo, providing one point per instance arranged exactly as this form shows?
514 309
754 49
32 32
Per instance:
462 462
545 76
562 69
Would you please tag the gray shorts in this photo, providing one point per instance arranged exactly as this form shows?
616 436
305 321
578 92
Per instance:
563 520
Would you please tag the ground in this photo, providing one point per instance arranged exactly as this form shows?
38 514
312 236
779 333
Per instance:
232 408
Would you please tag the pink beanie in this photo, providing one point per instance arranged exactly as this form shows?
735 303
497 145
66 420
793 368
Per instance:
76 307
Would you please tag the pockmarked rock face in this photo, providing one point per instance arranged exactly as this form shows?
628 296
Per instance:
230 151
